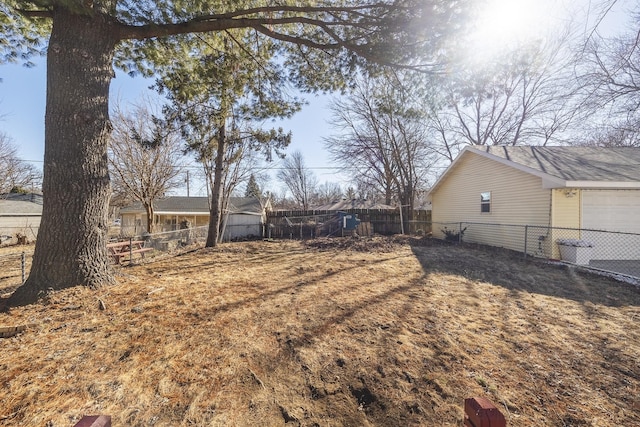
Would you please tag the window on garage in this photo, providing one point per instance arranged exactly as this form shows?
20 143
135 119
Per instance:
485 202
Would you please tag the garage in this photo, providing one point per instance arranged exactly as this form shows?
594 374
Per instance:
612 210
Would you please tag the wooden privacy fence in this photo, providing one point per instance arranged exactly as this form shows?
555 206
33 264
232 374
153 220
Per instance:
316 223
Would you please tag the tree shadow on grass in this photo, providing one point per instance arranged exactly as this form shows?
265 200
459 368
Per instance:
512 271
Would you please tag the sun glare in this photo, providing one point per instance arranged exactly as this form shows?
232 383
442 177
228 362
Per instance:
505 24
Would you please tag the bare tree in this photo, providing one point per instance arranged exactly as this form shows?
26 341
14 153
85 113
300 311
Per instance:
359 143
14 172
281 200
610 77
145 157
298 179
381 139
526 97
328 192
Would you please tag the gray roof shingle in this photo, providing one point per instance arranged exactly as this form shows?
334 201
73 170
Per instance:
19 207
615 164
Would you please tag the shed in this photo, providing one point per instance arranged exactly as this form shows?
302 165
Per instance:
245 218
574 187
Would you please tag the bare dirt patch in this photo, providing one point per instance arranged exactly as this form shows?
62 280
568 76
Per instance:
328 334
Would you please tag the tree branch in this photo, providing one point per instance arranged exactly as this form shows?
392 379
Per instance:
353 10
221 24
262 20
35 13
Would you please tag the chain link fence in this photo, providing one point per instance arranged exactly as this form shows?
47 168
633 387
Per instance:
616 252
14 271
16 263
168 241
17 235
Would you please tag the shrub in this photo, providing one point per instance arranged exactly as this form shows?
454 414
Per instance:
453 235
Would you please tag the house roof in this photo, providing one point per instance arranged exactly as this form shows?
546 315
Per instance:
22 197
559 167
177 205
344 204
245 205
19 208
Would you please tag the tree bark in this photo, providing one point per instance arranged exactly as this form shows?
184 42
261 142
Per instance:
216 192
151 219
71 247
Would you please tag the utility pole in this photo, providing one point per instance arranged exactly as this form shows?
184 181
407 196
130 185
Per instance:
187 180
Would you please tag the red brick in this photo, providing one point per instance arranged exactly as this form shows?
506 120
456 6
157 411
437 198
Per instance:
94 421
480 412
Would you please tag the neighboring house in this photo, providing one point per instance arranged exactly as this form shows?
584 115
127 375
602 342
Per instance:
244 217
19 215
574 187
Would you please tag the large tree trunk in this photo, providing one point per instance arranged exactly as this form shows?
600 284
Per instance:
70 248
216 192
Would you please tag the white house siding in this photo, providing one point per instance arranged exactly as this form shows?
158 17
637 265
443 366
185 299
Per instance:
27 224
136 223
19 217
612 210
516 198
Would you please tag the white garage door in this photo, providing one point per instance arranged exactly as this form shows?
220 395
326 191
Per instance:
612 210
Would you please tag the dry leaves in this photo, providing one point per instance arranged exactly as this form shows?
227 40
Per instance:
329 333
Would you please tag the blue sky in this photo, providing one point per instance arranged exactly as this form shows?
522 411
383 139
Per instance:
22 90
22 109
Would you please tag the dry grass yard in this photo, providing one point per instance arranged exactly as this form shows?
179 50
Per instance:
378 332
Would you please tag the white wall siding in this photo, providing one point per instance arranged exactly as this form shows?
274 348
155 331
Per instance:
27 225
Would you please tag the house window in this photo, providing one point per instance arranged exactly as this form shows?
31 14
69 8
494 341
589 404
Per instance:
485 201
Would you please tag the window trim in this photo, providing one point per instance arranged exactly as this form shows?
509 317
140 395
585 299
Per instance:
485 204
